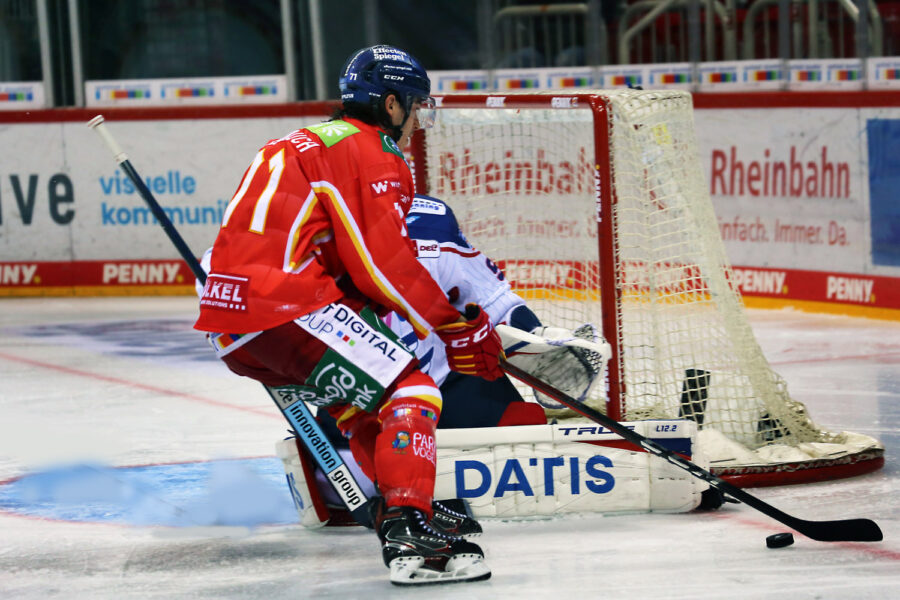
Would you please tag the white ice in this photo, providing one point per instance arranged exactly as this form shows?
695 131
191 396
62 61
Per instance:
68 399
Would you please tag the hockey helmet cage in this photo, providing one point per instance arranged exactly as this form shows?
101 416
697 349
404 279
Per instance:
371 73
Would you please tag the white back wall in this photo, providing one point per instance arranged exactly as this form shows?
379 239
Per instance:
791 187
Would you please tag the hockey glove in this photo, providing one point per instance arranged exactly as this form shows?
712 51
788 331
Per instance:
473 347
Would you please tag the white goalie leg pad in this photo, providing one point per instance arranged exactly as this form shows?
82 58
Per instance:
314 497
582 467
300 474
410 570
536 470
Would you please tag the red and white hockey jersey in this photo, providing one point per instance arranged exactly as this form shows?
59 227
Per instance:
323 202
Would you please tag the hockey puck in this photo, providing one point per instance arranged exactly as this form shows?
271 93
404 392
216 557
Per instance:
780 540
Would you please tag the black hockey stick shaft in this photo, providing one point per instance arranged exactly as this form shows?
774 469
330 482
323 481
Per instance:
845 530
291 406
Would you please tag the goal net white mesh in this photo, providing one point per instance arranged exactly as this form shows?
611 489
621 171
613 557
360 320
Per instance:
522 182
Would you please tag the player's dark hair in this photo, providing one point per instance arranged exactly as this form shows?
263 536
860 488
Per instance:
361 112
373 114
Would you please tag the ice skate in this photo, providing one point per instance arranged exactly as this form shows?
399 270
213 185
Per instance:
418 554
452 517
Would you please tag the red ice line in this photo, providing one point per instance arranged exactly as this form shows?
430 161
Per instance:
134 384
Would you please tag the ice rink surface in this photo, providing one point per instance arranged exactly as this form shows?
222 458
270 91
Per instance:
88 384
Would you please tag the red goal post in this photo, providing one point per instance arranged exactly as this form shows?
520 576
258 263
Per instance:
596 207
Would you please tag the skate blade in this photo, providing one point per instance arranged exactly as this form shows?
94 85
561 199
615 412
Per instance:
409 570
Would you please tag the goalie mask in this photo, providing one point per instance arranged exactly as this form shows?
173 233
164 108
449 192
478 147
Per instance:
371 74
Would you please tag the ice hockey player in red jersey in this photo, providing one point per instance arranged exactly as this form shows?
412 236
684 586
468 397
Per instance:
311 252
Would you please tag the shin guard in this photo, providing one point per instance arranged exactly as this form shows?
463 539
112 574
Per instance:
405 449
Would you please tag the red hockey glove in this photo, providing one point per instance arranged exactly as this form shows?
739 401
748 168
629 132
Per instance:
473 347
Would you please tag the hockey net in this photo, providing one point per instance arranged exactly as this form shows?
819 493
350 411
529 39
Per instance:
595 207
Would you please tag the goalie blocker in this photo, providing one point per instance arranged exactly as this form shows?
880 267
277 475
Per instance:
534 470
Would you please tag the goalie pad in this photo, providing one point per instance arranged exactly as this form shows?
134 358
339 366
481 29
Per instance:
316 501
551 469
535 470
300 472
570 361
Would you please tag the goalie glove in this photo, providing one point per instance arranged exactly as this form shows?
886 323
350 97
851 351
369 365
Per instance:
473 346
570 361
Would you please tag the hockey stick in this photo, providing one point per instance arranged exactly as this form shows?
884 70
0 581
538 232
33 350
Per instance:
844 530
518 341
289 403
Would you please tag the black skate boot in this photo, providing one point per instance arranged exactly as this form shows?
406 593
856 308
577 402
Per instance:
453 518
417 554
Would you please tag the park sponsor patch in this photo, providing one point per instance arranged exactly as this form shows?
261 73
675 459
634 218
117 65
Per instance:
401 441
424 447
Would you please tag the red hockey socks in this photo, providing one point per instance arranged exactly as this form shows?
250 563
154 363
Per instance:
362 435
405 450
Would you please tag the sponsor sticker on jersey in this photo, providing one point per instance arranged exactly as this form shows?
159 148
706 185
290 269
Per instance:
429 207
337 379
383 186
363 341
226 292
333 132
389 145
428 249
225 343
300 140
334 380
